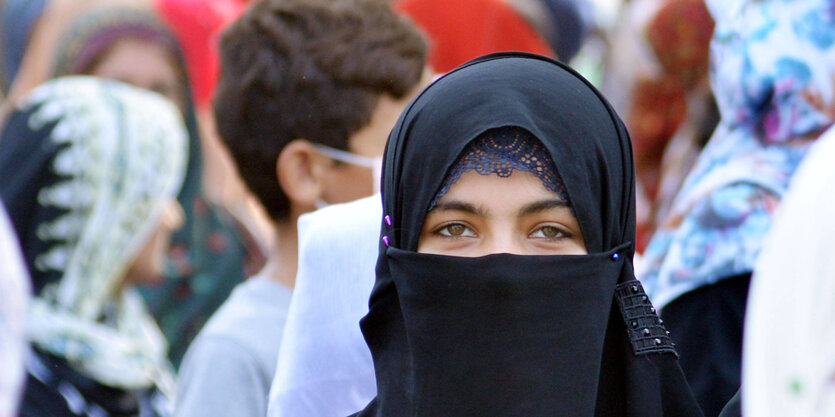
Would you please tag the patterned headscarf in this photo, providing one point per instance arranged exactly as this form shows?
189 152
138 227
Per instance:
88 166
209 253
773 64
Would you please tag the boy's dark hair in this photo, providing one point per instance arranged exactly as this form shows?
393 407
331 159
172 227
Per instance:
307 69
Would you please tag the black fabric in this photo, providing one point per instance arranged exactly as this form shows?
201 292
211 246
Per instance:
707 325
538 326
734 407
514 335
26 156
46 395
646 331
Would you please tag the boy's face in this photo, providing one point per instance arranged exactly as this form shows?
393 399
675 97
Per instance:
347 182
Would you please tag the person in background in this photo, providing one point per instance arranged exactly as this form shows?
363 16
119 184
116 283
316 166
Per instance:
563 23
15 292
308 92
92 171
197 24
212 252
324 366
772 71
463 30
108 41
788 364
657 76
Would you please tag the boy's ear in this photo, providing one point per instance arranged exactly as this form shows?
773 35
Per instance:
300 170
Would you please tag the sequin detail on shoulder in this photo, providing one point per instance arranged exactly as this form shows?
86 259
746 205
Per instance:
646 330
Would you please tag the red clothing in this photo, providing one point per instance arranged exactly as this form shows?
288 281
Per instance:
460 30
197 25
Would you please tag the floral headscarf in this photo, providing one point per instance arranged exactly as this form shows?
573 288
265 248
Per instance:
772 71
89 166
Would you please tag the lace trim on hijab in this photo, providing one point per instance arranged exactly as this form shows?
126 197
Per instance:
501 151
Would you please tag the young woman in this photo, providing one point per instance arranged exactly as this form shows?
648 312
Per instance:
504 279
125 41
91 172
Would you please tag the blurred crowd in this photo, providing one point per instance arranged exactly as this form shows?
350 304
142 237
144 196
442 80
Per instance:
190 190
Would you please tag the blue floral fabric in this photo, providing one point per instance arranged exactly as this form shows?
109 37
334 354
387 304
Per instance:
501 151
772 68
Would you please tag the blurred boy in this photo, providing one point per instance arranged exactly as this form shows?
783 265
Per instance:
309 90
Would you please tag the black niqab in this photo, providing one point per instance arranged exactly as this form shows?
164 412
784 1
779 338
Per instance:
513 335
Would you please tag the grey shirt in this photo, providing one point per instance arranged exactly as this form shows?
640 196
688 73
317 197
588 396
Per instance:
228 369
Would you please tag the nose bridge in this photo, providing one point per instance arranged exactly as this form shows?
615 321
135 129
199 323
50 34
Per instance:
503 239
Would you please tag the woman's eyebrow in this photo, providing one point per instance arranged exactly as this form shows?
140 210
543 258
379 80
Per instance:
459 206
542 205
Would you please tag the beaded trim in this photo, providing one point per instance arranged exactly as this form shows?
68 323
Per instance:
646 330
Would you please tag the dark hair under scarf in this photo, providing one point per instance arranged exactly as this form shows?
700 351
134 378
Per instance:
505 334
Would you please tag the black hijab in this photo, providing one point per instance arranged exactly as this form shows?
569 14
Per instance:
513 335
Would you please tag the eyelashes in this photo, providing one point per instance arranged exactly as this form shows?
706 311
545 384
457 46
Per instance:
457 230
549 232
454 230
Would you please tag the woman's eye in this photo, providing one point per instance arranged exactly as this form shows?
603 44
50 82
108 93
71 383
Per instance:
548 232
455 230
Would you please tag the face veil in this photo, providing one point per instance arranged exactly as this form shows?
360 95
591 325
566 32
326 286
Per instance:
516 335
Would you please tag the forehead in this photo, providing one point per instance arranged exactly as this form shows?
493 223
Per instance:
126 53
